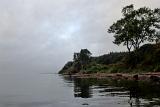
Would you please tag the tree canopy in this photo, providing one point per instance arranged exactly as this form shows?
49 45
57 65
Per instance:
82 58
136 27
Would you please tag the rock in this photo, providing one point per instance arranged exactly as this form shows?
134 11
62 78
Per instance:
155 78
135 77
119 75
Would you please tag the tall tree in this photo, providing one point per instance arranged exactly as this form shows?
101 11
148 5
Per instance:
136 27
83 58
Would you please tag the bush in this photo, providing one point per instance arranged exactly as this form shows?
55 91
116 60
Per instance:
97 68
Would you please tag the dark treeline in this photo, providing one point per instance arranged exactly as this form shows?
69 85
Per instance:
111 58
147 59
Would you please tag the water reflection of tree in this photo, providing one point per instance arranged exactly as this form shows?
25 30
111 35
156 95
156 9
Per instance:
138 89
82 88
143 90
134 94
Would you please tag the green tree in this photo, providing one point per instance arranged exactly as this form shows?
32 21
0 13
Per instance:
157 37
77 64
82 59
136 27
85 56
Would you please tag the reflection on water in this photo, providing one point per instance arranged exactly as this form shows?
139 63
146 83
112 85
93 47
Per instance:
134 93
138 94
82 89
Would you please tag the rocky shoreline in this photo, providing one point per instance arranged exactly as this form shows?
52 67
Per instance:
155 77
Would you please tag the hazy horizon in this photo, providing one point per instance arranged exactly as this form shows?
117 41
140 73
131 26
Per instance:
42 35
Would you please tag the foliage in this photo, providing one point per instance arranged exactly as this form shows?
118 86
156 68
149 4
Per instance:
136 27
82 58
147 59
66 67
97 68
80 61
111 58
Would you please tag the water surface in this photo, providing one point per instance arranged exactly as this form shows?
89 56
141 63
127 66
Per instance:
52 90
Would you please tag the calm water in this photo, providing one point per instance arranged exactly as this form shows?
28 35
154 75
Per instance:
52 90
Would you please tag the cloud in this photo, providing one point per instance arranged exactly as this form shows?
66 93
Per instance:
42 35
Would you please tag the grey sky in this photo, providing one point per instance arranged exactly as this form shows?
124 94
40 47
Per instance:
41 35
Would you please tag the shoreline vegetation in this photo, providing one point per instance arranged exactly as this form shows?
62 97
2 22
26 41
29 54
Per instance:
147 69
139 31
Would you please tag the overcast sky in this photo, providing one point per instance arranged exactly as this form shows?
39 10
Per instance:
41 35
